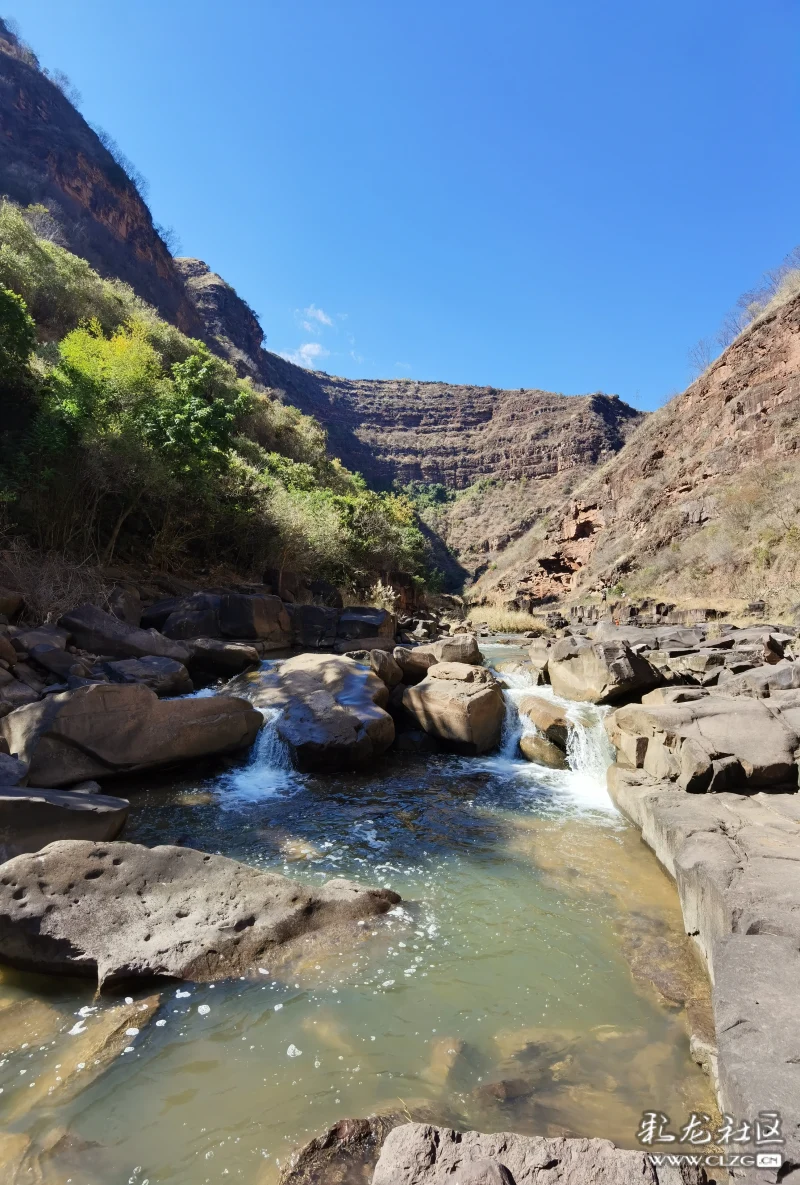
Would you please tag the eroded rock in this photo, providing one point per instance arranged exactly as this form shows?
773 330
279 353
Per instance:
468 715
108 729
120 911
331 709
598 672
103 633
417 1154
712 743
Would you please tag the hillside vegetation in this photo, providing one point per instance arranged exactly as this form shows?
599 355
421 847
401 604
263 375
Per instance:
125 439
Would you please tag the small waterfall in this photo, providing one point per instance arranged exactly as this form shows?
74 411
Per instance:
589 751
269 769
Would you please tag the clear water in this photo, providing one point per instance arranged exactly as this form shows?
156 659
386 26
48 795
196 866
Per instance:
522 890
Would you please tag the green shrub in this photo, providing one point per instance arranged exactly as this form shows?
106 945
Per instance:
136 441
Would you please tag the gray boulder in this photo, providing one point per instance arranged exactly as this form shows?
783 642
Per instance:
107 728
102 633
712 743
762 680
211 656
16 694
58 662
314 626
465 713
331 709
417 1154
123 912
382 663
32 818
164 676
598 672
243 616
365 622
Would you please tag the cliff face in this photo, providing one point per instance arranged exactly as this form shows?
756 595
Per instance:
50 156
530 446
440 432
735 427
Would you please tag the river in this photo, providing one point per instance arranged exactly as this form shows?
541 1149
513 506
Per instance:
525 897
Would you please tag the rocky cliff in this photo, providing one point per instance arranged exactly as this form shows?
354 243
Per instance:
705 488
515 453
50 156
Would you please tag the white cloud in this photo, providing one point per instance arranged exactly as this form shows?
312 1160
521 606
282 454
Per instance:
318 315
306 355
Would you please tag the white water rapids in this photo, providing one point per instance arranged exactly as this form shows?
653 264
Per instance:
269 770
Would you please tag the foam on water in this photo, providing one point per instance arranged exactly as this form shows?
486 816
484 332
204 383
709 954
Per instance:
269 770
589 752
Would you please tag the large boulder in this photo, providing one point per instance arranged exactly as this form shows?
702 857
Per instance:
32 818
102 633
213 657
365 622
598 672
107 728
164 676
418 1154
330 709
382 663
123 912
314 626
466 714
712 743
229 615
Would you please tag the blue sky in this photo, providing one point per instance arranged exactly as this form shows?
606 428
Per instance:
517 193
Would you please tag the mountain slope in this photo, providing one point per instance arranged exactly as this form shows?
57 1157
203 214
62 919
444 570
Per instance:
704 499
50 156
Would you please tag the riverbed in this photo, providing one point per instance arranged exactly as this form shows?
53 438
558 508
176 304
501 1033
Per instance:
500 995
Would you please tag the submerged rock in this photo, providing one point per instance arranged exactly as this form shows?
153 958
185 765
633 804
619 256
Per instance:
123 912
30 818
331 709
100 1041
417 1154
344 1155
110 728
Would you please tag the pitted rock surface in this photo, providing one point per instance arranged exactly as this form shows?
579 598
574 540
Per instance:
120 911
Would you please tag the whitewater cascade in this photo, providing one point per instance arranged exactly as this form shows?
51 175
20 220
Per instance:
589 751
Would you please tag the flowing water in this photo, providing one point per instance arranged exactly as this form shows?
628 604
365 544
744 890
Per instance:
508 992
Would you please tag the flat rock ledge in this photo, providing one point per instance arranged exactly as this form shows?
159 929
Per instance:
123 912
736 862
421 1154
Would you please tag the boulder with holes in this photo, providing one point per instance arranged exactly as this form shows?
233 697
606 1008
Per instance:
120 912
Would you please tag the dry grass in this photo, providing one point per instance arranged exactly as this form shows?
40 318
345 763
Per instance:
49 582
505 621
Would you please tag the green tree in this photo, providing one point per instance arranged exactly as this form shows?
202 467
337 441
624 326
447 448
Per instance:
17 337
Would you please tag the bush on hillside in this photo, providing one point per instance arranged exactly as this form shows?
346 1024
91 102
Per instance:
130 440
